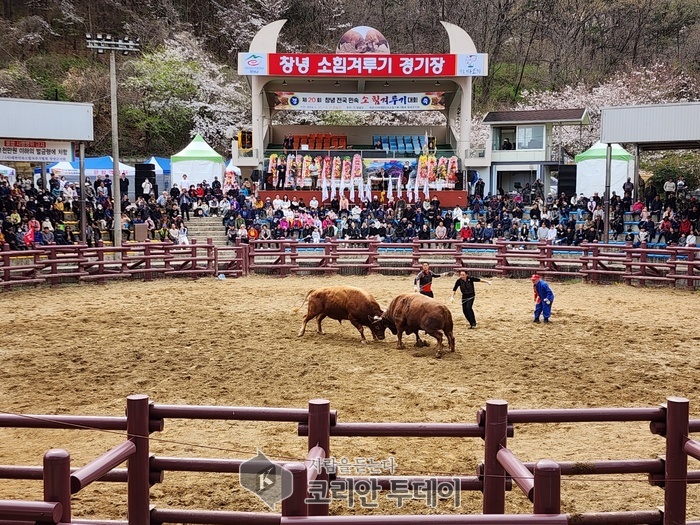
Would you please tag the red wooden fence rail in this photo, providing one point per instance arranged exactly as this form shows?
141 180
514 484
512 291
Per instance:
593 262
541 481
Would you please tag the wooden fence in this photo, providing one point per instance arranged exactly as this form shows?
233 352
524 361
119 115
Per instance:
593 262
306 484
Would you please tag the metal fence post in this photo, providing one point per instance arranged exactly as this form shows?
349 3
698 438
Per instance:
138 469
320 435
496 430
676 483
295 505
57 480
547 487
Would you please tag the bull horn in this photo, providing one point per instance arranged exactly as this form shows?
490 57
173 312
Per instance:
375 318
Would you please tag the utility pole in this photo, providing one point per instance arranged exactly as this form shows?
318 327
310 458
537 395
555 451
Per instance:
103 43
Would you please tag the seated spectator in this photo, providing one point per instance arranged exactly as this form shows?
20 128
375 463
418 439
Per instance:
163 232
197 208
231 234
242 234
642 237
60 236
424 233
182 237
441 231
488 233
637 208
47 236
173 233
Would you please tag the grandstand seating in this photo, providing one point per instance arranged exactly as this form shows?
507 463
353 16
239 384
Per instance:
317 141
402 144
399 145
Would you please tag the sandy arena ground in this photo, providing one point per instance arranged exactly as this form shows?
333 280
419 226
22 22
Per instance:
83 349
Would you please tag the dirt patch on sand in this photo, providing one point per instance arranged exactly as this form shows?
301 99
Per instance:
83 349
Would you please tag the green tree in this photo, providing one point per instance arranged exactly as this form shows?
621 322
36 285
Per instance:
671 166
160 89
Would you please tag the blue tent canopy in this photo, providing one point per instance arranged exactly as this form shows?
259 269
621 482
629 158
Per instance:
92 163
160 162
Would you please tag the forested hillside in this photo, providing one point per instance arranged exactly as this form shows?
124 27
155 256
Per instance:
185 78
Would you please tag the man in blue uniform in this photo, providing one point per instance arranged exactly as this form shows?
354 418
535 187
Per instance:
543 299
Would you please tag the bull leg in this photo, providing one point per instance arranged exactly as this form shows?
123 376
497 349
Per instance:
399 335
310 314
303 325
420 342
437 334
318 322
450 340
360 329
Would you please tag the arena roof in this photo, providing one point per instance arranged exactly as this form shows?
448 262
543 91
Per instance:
653 127
543 116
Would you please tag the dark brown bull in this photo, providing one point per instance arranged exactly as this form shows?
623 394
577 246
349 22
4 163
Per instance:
344 303
410 313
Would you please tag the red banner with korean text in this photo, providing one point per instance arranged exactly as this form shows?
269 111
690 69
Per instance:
386 65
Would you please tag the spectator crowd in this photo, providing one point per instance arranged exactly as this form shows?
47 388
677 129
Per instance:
31 215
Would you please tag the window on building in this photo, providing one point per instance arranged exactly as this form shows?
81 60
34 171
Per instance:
503 138
530 137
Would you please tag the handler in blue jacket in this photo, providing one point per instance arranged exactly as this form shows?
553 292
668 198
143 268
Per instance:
543 299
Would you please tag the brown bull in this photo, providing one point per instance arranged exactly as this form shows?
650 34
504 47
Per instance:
344 303
410 313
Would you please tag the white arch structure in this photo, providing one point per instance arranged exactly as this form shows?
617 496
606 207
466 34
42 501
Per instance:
265 42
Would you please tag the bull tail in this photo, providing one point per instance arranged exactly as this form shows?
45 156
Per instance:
295 310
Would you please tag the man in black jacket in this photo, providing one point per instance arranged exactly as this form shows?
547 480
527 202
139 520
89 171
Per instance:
466 284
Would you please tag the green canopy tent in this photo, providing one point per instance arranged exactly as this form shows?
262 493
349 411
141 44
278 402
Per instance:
590 169
199 161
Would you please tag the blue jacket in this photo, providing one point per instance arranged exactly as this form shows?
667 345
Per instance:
544 291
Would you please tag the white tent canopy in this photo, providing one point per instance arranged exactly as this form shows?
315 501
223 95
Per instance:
590 169
233 168
198 161
9 173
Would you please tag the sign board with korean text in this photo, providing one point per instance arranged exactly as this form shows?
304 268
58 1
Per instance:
362 65
360 101
19 150
46 120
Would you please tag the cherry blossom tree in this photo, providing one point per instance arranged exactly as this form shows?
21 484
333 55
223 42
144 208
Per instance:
178 91
659 84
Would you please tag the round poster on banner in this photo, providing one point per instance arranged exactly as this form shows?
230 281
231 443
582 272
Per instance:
362 39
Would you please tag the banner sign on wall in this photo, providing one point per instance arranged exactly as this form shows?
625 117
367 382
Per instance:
35 151
360 102
472 65
252 63
357 65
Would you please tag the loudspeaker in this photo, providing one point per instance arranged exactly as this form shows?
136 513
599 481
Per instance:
459 185
471 175
567 179
255 176
143 171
